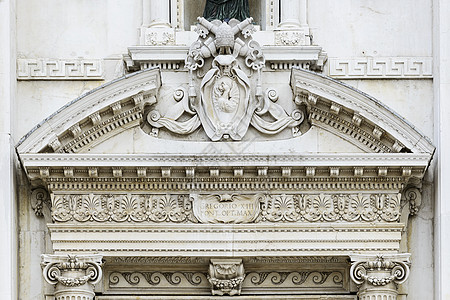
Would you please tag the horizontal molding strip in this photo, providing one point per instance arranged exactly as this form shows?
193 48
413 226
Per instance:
59 69
200 159
381 67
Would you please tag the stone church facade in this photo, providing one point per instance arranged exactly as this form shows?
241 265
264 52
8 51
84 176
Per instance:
149 153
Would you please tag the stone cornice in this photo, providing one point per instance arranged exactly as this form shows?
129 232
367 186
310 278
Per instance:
175 171
144 56
200 159
351 113
115 104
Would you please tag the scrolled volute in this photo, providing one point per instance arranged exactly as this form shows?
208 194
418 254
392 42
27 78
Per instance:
68 270
380 270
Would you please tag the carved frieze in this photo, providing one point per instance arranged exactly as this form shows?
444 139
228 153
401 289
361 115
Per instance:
286 279
122 208
228 277
227 208
157 278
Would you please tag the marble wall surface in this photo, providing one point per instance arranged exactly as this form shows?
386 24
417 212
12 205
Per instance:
58 44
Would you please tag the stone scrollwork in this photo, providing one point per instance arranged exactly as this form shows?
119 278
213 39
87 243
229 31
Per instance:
226 276
224 96
73 276
227 208
157 278
295 278
379 275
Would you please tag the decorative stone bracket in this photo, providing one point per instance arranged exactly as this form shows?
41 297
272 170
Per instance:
73 276
226 276
379 275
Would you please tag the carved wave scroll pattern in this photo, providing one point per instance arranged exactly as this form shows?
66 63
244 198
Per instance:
252 279
309 278
158 278
373 207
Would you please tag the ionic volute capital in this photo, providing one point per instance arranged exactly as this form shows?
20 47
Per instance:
72 275
379 274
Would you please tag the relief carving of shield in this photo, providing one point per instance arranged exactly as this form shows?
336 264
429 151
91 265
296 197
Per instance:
225 108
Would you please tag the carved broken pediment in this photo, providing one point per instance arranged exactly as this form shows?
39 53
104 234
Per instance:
225 94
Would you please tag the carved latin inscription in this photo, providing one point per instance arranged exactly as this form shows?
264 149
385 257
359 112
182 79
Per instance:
227 208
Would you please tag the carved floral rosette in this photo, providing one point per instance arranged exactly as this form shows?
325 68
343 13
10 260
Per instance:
72 275
379 275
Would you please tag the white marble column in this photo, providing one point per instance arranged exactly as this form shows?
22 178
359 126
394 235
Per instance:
74 277
8 209
146 13
290 13
303 13
156 29
159 11
378 277
441 83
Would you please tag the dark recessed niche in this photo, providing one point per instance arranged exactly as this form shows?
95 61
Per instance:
194 9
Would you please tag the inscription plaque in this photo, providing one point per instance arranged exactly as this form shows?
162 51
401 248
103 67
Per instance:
226 208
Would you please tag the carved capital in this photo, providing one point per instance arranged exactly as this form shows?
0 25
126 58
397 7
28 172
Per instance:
226 276
379 275
72 275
